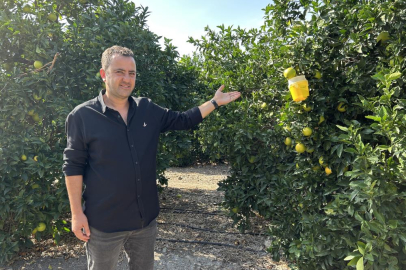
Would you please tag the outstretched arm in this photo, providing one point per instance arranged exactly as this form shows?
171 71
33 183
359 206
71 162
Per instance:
220 98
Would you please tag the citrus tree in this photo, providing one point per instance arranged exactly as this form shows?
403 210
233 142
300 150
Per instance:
50 63
328 171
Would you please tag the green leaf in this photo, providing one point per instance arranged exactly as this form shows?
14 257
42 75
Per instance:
349 258
394 76
342 128
351 150
379 76
393 224
369 257
360 264
339 150
361 247
354 261
375 118
379 217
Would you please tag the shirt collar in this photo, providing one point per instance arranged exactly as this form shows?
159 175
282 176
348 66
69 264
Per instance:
100 98
103 105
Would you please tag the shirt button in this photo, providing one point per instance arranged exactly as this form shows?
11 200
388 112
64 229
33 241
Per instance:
136 163
118 116
138 196
132 145
138 180
128 129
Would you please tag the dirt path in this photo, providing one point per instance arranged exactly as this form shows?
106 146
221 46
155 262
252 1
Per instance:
194 232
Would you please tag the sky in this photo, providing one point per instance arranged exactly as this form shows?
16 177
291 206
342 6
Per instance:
180 19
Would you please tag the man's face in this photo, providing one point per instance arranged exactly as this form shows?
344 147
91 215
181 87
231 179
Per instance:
120 76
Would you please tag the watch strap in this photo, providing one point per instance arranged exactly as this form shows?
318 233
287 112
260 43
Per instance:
214 103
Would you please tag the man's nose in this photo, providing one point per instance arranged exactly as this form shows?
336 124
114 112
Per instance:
127 77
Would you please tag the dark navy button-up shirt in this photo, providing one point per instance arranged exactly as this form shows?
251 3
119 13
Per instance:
118 161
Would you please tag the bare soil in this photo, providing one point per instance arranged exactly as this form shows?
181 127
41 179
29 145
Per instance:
194 232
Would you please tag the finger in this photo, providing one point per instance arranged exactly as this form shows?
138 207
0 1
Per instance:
221 88
235 95
86 229
79 234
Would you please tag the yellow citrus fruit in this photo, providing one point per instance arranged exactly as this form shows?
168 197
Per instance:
251 159
263 105
23 157
342 107
289 73
31 112
41 227
178 196
317 74
307 131
382 37
321 160
306 108
288 128
35 158
235 210
321 119
288 141
300 148
328 170
38 64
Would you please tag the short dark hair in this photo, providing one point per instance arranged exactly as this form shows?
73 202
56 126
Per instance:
110 52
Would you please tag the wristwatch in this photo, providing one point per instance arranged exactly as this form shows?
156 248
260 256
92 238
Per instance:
214 103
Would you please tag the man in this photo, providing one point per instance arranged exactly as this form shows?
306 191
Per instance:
111 147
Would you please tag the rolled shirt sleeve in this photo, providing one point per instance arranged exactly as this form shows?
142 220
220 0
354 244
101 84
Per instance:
75 154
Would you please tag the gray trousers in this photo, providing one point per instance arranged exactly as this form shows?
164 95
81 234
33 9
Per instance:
103 249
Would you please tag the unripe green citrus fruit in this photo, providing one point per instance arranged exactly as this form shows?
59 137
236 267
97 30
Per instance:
38 64
289 73
52 17
27 8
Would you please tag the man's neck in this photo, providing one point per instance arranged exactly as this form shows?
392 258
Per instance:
115 103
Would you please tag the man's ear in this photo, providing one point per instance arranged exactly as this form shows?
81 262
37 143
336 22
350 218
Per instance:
103 74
